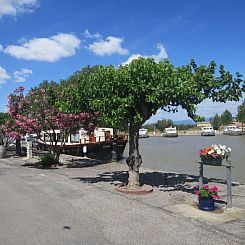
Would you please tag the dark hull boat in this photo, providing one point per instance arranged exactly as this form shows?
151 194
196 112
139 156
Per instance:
101 145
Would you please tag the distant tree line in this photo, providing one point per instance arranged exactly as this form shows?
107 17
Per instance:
226 117
160 125
216 121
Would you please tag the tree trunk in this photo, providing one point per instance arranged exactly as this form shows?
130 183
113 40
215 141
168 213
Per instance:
134 160
18 147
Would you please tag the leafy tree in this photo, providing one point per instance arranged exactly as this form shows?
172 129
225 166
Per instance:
226 117
185 126
216 121
162 124
150 127
131 94
241 113
4 140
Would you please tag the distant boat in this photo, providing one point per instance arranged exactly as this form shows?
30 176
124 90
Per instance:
143 133
207 131
232 130
170 132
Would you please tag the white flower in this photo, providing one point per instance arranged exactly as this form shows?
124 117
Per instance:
219 152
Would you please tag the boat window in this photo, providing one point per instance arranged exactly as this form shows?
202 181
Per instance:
75 138
46 138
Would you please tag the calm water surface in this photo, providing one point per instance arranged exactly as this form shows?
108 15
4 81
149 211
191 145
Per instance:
180 155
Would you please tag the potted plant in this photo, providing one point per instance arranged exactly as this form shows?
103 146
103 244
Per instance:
206 196
213 155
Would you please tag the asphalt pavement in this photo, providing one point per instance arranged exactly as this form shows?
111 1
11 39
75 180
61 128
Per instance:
77 204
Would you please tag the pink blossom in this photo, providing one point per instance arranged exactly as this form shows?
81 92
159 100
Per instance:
215 188
216 197
206 187
197 192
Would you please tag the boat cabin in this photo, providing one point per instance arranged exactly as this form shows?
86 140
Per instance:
170 132
80 137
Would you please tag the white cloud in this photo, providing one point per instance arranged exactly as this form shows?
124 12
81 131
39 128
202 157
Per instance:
22 75
157 57
208 108
46 49
1 47
161 55
111 45
13 7
4 76
87 34
131 58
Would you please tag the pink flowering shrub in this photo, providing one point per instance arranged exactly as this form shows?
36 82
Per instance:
36 113
207 191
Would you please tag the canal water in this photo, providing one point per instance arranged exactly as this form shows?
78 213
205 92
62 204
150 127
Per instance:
180 155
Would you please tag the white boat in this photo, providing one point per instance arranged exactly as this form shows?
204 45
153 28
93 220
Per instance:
232 130
207 131
143 133
170 132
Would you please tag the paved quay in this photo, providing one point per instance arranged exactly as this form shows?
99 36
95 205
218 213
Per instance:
77 204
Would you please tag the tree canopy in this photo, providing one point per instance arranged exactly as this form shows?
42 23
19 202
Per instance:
131 94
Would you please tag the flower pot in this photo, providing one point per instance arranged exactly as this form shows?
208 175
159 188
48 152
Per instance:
211 161
206 204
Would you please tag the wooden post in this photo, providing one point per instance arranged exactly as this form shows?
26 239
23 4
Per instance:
228 182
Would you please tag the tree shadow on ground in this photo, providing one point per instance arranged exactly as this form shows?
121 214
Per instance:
38 165
68 163
166 182
85 162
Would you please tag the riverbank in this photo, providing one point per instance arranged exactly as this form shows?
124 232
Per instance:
184 133
81 196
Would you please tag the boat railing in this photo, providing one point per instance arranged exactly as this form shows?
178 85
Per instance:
99 139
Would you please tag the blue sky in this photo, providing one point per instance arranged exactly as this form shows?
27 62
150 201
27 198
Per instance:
51 39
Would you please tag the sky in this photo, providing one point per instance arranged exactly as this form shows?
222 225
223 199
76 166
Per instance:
51 39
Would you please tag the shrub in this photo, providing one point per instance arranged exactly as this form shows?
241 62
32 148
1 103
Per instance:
48 159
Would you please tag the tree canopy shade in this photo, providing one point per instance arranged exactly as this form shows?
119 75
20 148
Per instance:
131 94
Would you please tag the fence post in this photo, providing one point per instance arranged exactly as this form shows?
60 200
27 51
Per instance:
228 182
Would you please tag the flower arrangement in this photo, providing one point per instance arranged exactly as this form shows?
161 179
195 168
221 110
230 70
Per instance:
208 192
215 151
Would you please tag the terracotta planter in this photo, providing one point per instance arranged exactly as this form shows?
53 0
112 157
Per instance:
206 204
